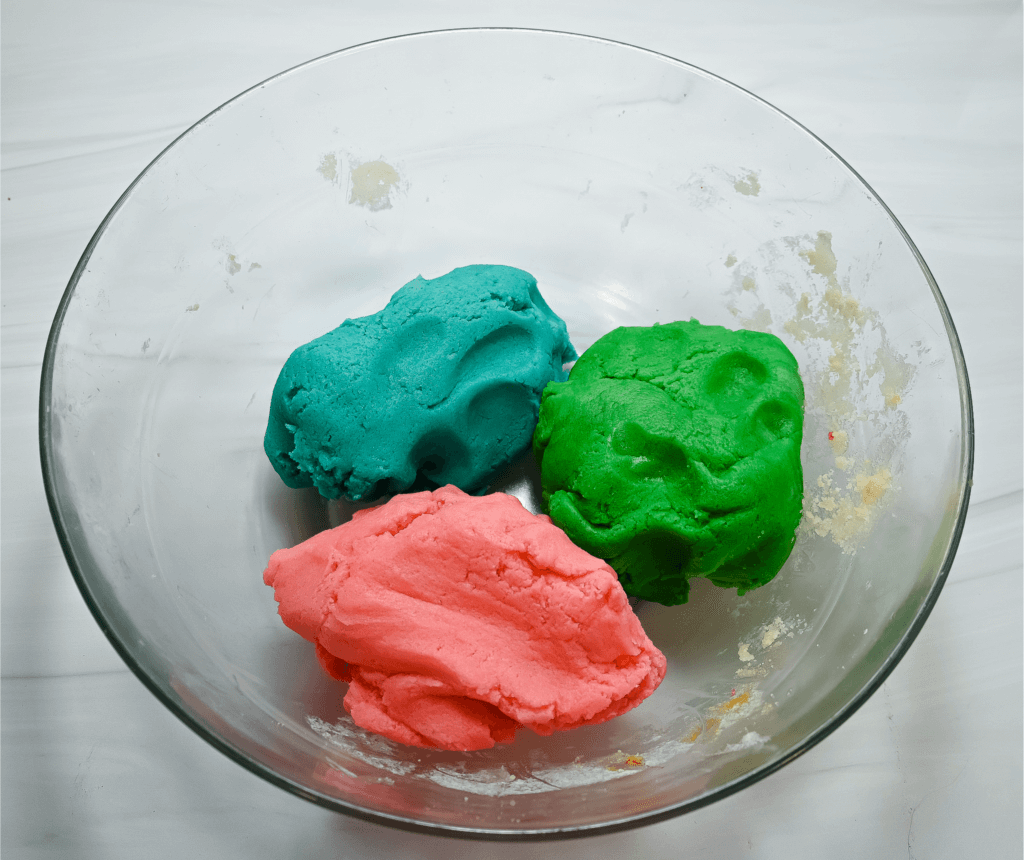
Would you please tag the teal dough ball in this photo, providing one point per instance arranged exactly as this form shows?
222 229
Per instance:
440 387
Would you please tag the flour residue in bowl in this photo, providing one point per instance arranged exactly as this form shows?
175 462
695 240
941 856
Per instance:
738 708
855 380
750 185
328 168
762 650
370 183
844 513
703 188
479 774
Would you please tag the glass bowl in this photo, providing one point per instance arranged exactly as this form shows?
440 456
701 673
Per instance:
637 189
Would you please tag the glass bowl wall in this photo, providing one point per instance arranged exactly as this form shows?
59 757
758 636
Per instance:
637 189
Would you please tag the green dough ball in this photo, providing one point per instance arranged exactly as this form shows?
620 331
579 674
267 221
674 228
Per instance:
440 387
674 451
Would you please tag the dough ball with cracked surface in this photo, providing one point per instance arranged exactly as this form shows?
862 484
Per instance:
459 619
440 387
673 451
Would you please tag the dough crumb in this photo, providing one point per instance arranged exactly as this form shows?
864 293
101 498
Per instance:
773 631
749 185
372 184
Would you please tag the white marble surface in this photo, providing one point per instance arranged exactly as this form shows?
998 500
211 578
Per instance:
924 99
